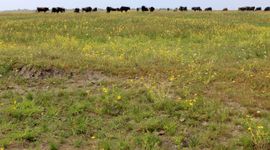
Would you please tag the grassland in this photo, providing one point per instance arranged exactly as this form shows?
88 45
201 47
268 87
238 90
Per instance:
163 80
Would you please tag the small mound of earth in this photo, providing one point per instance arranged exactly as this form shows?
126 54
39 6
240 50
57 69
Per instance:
35 72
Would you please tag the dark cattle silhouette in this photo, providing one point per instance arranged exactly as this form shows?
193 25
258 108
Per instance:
109 9
124 8
247 8
58 10
61 10
152 9
77 10
258 9
267 9
138 9
208 9
181 8
87 9
42 9
95 9
242 8
55 10
225 9
251 8
196 9
168 9
144 8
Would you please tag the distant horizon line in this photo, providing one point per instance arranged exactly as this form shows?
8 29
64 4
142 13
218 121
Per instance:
27 9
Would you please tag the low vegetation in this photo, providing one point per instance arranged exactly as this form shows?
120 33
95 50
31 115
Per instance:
162 80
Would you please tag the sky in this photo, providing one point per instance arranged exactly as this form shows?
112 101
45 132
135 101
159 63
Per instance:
216 4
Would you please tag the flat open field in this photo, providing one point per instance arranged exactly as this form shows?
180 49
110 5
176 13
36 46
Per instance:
162 80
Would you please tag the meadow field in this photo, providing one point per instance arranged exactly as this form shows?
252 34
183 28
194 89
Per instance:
119 81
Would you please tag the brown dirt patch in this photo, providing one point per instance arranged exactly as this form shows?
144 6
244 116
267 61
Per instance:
36 72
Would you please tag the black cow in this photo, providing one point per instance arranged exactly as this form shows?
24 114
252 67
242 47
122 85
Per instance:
109 9
258 9
267 9
225 9
152 9
58 10
181 8
42 9
251 8
243 8
87 9
168 9
54 10
77 10
61 10
208 9
144 8
95 9
124 8
247 8
138 9
196 9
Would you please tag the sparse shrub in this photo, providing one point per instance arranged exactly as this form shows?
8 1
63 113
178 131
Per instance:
150 141
21 110
4 69
258 134
53 146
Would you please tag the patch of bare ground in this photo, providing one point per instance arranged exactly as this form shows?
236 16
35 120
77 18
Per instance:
68 145
32 72
51 78
166 143
218 91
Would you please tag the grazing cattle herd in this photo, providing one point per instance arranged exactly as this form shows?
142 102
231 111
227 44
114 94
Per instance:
143 9
58 10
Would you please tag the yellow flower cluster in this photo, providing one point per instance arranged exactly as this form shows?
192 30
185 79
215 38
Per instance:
172 78
119 97
14 104
260 127
105 90
191 102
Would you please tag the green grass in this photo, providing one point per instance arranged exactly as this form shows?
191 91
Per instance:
162 80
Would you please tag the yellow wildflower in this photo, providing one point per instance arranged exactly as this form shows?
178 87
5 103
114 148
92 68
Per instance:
93 137
249 128
260 127
119 97
105 90
172 78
